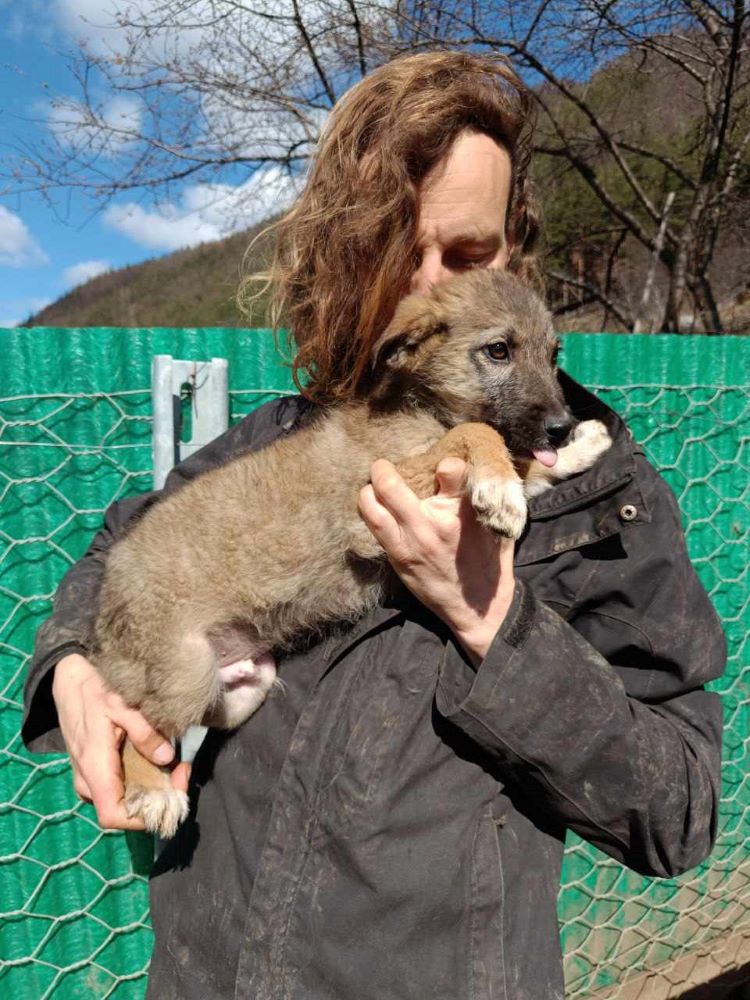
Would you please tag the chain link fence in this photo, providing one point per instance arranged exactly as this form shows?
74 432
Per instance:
73 903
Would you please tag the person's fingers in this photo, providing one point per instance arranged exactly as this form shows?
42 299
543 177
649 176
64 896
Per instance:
111 815
379 519
93 721
80 786
148 741
392 492
451 477
116 818
108 800
101 769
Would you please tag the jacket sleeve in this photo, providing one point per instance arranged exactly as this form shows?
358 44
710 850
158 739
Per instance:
70 627
603 717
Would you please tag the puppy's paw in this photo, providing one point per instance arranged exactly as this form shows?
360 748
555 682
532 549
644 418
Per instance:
244 687
500 505
589 442
162 810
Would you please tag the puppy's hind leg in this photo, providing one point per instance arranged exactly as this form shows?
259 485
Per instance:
181 683
149 794
183 680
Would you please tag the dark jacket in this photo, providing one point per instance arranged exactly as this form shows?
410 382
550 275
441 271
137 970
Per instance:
392 825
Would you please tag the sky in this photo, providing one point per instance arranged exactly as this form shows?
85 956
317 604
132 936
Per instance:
46 250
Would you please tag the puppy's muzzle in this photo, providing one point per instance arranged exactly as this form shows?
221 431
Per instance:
557 427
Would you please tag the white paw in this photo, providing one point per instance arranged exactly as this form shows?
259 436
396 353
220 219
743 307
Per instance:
589 442
500 505
245 685
162 810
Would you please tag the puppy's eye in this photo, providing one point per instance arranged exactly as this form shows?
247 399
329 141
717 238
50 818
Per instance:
497 351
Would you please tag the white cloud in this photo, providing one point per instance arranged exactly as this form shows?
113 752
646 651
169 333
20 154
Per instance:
77 274
123 113
240 47
206 212
204 66
92 22
95 24
110 128
17 246
15 311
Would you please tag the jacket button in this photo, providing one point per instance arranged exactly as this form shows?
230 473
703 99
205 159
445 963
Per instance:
628 512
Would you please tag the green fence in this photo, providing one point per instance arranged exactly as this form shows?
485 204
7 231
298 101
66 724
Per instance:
75 435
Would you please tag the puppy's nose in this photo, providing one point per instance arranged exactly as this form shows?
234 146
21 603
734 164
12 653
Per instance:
557 428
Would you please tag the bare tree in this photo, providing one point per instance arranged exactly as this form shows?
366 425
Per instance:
224 89
701 49
169 91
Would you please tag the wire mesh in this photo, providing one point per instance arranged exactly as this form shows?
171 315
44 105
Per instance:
74 918
615 923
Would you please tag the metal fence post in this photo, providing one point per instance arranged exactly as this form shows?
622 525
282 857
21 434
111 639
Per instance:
204 385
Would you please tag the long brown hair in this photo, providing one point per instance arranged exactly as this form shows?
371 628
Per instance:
345 251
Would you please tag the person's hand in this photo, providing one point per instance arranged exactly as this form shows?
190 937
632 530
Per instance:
454 565
94 722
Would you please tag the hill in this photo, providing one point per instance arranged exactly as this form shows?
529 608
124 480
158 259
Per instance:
195 287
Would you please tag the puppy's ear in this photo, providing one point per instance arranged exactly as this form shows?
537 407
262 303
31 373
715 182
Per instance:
416 319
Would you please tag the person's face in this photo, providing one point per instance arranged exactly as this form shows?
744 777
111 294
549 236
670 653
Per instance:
463 202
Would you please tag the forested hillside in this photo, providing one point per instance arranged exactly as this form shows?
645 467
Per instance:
195 287
597 203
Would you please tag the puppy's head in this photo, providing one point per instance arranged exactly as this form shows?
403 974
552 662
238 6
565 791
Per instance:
481 347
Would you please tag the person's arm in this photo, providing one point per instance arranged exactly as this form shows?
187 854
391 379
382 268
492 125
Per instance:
603 718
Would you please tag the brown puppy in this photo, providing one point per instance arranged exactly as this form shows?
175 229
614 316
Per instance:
248 557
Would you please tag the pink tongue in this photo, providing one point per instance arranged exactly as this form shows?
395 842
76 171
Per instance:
546 457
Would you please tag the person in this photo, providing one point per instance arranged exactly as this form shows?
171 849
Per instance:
392 824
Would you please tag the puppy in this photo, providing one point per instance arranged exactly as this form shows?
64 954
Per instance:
249 557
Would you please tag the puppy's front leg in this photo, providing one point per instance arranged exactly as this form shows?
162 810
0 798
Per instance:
492 483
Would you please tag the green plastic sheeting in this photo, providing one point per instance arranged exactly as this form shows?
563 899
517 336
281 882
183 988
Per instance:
75 425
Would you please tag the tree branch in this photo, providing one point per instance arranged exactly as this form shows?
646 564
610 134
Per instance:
577 101
300 24
666 161
360 42
595 293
